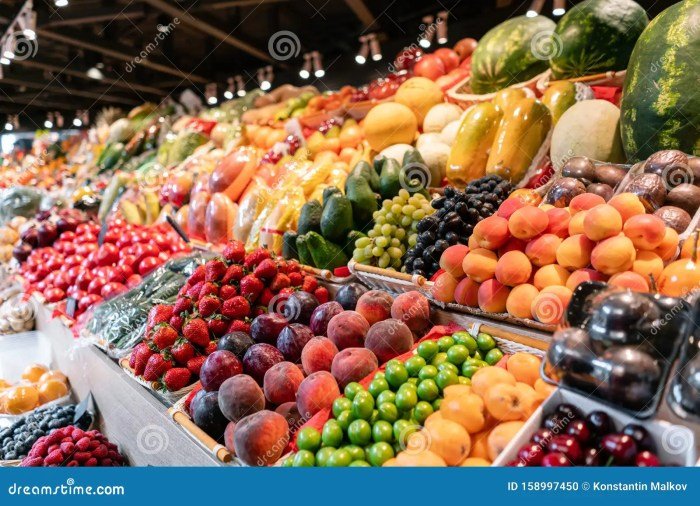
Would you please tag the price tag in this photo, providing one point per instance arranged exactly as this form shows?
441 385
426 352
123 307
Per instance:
103 232
176 226
71 306
83 407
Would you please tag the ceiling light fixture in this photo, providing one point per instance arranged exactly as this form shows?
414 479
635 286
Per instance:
428 32
535 8
228 94
240 85
4 61
305 71
60 3
559 8
77 122
361 56
374 47
210 93
442 27
95 73
318 66
262 80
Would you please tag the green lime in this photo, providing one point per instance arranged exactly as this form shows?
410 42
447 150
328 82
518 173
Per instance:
485 342
382 431
406 398
323 455
429 371
340 458
446 378
493 356
374 417
477 355
436 404
428 349
289 461
356 452
439 359
468 369
359 463
421 411
463 380
363 405
445 342
447 366
469 342
428 390
396 374
377 386
344 419
351 389
400 427
332 433
393 361
457 354
386 396
414 364
309 439
380 453
412 381
378 375
341 404
360 432
304 458
388 412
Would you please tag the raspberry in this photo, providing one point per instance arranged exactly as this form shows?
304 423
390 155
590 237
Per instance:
100 452
52 448
73 463
54 458
83 444
81 456
67 447
91 462
94 444
77 434
32 462
106 462
39 448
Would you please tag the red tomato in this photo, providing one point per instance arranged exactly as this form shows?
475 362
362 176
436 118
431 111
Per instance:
68 236
133 280
125 270
73 260
62 281
86 248
54 294
429 66
128 261
84 279
86 238
112 290
87 301
76 292
108 254
41 286
95 286
148 264
83 228
449 58
91 260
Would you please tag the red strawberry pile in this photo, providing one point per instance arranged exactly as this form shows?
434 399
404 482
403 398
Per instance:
73 447
76 266
220 297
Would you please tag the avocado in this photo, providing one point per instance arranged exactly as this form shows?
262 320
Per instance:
289 245
363 200
336 219
325 254
303 251
310 217
366 171
415 174
389 179
329 191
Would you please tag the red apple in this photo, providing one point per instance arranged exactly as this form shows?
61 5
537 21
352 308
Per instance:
449 58
429 66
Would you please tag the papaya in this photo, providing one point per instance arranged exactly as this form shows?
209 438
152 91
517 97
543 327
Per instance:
362 198
389 183
325 254
506 98
303 251
310 217
336 219
470 150
289 245
558 98
518 139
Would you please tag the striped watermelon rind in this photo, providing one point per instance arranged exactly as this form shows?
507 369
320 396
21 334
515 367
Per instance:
660 106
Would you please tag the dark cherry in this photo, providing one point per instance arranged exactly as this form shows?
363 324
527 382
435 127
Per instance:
579 430
640 435
591 457
566 445
556 423
620 447
647 459
531 454
515 463
555 460
542 437
599 423
568 411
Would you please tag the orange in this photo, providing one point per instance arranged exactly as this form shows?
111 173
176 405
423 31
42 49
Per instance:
34 372
21 399
486 377
51 390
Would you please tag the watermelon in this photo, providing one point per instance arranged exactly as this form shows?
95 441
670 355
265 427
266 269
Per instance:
660 101
596 36
512 52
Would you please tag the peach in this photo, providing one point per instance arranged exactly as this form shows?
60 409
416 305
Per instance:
466 410
646 231
443 289
576 223
466 293
492 232
648 263
575 252
509 206
451 259
348 330
388 339
480 264
492 296
413 309
543 250
601 222
559 218
513 268
290 412
550 304
549 275
524 366
501 435
316 392
513 244
318 354
520 299
669 245
580 275
631 280
584 202
240 396
353 364
375 306
627 204
613 255
486 377
261 438
281 382
229 433
528 222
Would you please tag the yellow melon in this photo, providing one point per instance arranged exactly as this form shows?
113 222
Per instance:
420 94
388 124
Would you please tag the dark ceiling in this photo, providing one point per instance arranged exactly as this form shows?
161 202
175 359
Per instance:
210 41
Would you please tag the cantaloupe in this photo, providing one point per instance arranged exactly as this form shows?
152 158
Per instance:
388 124
420 94
439 116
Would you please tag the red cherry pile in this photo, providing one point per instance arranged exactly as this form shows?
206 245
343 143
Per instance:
73 447
220 297
567 438
76 266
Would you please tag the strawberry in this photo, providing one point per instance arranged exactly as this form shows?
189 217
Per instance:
280 281
234 251
182 351
295 278
197 276
160 313
258 310
176 322
196 332
265 297
236 307
141 353
176 378
193 293
195 364
228 291
190 396
284 293
293 266
183 291
321 293
255 257
282 266
251 287
209 288
233 273
208 305
156 366
238 326
211 348
182 305
309 284
267 269
164 335
215 270
217 325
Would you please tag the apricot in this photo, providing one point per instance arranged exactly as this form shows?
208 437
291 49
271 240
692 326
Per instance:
449 440
513 244
501 435
480 264
646 231
466 410
316 392
613 255
543 250
486 377
451 260
261 438
475 462
669 245
375 306
466 292
353 364
504 402
690 247
549 306
525 367
34 372
443 289
631 280
509 206
576 223
601 222
543 388
425 458
550 275
513 268
520 299
584 202
528 222
480 447
492 296
318 354
575 252
52 389
492 232
580 275
473 242
627 204
559 218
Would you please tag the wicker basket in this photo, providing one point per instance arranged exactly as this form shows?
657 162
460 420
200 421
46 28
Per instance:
467 99
384 279
169 398
610 78
328 276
